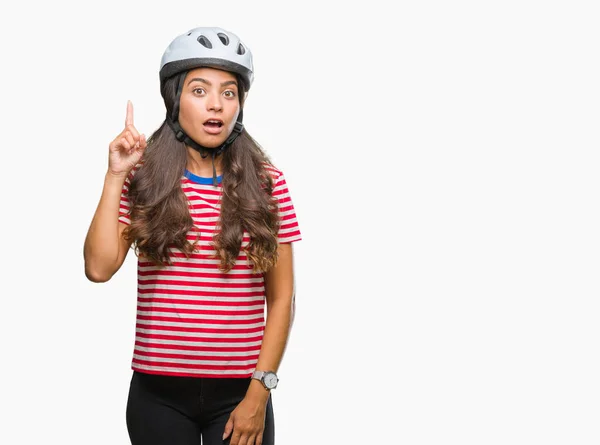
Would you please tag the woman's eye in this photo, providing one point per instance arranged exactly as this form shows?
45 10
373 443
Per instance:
229 93
198 90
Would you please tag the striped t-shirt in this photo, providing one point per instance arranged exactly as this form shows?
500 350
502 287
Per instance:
193 319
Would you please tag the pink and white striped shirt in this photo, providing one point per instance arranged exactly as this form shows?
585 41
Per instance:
192 319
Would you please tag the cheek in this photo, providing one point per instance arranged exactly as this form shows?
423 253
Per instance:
186 109
234 116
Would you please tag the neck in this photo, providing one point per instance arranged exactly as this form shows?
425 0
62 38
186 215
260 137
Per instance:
202 166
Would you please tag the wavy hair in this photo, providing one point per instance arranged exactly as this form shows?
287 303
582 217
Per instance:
160 217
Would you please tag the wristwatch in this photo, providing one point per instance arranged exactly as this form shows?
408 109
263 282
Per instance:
268 378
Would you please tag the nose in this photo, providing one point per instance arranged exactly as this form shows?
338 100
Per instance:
214 103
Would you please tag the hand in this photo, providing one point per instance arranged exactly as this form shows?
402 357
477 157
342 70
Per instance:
246 423
127 148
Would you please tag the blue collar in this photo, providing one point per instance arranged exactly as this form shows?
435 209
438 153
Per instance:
201 179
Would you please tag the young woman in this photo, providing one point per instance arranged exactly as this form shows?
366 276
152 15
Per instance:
212 223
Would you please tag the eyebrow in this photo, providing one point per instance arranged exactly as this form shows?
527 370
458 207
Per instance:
224 84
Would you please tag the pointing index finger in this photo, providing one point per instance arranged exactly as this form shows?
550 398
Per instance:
129 118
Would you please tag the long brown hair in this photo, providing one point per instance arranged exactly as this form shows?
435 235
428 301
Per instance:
160 216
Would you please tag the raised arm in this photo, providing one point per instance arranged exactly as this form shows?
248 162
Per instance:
105 249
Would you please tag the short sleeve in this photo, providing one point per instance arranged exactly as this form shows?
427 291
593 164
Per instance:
289 230
125 204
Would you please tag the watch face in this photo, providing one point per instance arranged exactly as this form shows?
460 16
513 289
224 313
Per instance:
270 380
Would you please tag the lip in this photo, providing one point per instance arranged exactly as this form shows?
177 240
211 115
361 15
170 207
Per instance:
213 130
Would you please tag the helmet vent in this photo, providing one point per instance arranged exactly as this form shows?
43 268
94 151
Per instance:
224 38
241 50
205 42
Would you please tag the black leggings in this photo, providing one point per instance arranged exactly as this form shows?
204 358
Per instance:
167 410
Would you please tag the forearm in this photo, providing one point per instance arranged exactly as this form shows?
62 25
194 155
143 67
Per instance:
277 329
101 248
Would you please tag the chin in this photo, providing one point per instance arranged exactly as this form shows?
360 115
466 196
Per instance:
213 144
211 141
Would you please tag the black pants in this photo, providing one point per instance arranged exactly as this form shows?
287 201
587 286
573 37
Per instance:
167 410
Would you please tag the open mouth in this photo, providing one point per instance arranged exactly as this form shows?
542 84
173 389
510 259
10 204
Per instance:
213 123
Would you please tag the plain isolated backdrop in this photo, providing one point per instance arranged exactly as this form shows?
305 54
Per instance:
443 161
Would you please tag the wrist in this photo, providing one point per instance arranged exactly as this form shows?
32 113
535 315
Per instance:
116 179
268 379
120 175
256 390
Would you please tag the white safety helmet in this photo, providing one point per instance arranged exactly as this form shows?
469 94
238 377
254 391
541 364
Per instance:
207 47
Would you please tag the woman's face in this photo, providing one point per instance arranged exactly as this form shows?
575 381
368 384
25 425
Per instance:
209 105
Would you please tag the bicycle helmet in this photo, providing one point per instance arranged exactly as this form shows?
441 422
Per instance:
205 47
210 47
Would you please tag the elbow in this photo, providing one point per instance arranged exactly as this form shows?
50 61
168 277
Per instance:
95 275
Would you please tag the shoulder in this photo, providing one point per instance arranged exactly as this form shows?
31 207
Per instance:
275 172
133 171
